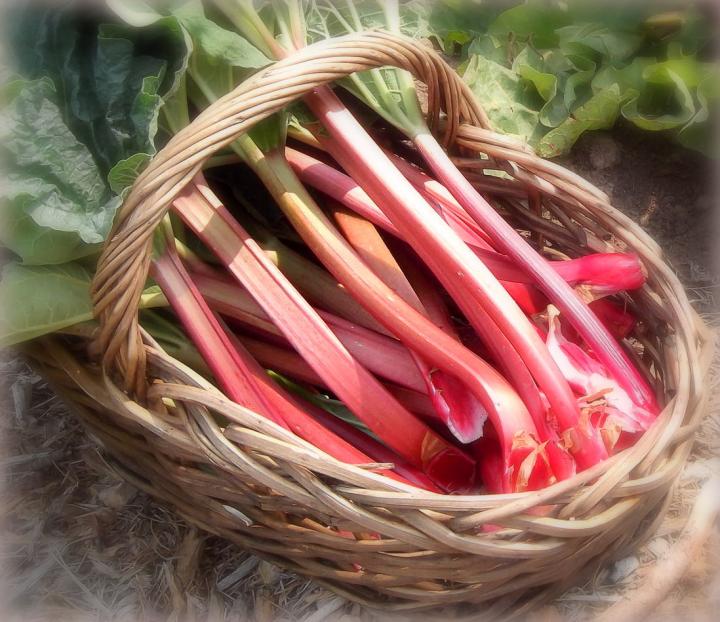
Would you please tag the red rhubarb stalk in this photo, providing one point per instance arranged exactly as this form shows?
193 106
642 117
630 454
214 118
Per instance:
553 285
238 373
382 355
234 377
316 284
453 263
449 467
289 363
605 273
509 414
340 187
456 406
415 330
588 377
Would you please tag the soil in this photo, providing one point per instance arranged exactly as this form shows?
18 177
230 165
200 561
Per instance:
78 543
669 190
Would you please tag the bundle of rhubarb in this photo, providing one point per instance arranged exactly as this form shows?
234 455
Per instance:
333 271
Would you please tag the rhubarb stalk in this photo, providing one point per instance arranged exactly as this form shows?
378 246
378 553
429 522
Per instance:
310 336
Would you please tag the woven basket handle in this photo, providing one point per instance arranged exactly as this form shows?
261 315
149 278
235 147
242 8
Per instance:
124 263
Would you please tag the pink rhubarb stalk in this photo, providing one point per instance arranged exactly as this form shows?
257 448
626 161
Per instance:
553 285
420 335
234 377
239 375
289 363
445 464
382 355
340 187
604 273
590 380
453 263
316 285
456 406
415 330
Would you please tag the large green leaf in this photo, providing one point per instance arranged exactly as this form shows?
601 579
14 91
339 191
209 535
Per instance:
530 65
56 205
60 297
644 111
218 45
531 20
503 95
696 134
591 39
109 78
454 23
36 300
599 112
577 54
220 58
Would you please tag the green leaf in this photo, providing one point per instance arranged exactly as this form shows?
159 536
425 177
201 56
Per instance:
37 300
60 297
597 39
123 175
137 13
534 21
110 78
220 58
530 66
687 69
219 46
696 134
585 70
492 48
599 112
389 92
628 78
455 23
554 112
641 110
501 93
56 206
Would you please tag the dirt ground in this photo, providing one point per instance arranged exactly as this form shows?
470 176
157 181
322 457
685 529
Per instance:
79 544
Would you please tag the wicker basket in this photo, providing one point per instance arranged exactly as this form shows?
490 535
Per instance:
238 475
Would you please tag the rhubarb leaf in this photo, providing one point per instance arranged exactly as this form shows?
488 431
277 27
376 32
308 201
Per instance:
60 298
110 78
530 20
504 96
665 84
530 66
220 58
600 112
219 46
390 92
454 23
56 206
561 57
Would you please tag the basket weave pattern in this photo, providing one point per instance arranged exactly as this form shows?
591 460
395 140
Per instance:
232 472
